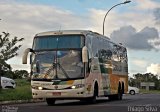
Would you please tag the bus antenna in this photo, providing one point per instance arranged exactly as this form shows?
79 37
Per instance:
60 28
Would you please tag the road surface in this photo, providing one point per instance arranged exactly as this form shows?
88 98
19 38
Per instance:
130 103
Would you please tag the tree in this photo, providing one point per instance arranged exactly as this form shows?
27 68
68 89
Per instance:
8 50
19 74
152 78
138 79
147 77
131 81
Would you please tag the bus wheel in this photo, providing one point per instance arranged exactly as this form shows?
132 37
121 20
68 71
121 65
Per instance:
111 97
95 94
119 96
122 87
120 93
50 101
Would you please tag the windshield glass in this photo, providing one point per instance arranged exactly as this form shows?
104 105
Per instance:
58 42
57 65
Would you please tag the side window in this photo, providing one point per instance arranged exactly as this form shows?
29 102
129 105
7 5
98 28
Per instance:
89 46
105 54
123 55
118 53
113 48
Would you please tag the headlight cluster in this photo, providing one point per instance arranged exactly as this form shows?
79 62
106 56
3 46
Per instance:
40 88
37 87
77 86
5 81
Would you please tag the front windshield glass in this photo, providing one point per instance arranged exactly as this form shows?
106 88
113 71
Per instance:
61 64
58 42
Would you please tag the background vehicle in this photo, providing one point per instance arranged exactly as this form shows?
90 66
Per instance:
7 83
133 90
77 64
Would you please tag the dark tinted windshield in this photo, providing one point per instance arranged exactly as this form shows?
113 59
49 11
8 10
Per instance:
58 42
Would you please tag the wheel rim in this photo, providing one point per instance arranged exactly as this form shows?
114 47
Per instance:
132 92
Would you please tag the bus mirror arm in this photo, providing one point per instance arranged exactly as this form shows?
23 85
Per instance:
25 54
84 54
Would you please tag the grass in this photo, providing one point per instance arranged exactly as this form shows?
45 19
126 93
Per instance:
150 91
21 92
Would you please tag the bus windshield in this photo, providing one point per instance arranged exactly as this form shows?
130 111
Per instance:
57 65
58 42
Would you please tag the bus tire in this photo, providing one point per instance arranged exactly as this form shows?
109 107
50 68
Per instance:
122 87
50 101
120 93
111 97
95 94
117 96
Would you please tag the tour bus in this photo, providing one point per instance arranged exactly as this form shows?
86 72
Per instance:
77 64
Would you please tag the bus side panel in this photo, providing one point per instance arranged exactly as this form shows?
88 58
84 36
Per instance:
114 82
93 77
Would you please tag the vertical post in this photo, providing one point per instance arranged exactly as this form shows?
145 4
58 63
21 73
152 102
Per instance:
111 9
0 81
0 71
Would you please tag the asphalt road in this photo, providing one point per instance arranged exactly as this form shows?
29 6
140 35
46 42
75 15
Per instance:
130 103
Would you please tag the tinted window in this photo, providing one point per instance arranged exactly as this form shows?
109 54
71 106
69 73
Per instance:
59 41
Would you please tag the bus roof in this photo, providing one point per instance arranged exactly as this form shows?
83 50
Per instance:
74 32
63 32
67 32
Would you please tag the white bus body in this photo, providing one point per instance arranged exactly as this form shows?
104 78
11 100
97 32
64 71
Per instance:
77 64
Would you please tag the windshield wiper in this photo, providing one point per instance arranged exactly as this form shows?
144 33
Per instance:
65 73
54 67
57 63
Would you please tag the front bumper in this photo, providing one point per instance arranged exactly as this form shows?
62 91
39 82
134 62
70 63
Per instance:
60 94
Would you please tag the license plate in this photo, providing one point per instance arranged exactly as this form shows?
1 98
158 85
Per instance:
56 93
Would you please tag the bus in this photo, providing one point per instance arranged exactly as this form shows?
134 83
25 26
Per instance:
77 64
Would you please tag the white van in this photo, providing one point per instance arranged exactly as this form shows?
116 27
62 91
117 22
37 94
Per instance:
7 83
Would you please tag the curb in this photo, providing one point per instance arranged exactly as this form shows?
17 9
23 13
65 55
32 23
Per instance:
22 101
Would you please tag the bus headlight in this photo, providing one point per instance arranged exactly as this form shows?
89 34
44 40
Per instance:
77 86
73 87
37 87
40 88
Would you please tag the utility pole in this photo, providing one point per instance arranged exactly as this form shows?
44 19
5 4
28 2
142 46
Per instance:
111 9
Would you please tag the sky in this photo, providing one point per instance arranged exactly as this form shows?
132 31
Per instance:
136 25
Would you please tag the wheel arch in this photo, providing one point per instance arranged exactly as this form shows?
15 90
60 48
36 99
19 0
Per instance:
96 86
123 87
